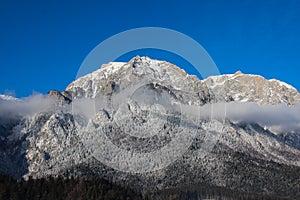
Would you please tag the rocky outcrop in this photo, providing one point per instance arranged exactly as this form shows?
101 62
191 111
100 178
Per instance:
251 88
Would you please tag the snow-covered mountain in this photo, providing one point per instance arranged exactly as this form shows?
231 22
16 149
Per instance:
240 155
252 88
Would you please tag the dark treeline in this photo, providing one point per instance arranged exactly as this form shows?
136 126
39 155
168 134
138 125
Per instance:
209 192
95 188
60 188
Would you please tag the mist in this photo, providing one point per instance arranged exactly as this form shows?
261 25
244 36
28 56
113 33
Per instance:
275 117
26 106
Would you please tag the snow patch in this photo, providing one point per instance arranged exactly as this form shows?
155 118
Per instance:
283 84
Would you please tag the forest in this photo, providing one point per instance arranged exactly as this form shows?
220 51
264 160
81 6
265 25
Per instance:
75 188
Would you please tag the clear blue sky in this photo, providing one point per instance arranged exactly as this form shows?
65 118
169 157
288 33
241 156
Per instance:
43 43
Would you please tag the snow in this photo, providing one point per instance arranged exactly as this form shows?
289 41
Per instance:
7 98
283 84
112 67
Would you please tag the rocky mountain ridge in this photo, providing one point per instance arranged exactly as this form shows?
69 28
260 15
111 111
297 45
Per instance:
252 88
229 87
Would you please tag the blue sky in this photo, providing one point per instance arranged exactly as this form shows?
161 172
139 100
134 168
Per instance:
43 43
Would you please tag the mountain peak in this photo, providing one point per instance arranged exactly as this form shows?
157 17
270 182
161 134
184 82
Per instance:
238 73
138 58
141 61
114 77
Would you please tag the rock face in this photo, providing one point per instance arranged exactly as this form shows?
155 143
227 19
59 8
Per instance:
243 155
61 98
252 88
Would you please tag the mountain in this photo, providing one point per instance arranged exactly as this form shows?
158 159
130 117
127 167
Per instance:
252 88
114 77
143 106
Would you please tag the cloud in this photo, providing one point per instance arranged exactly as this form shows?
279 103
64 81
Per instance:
276 117
26 106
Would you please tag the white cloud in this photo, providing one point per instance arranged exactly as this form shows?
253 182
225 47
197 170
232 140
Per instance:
281 117
26 106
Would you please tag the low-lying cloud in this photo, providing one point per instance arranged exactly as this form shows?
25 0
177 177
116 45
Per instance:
26 106
276 117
